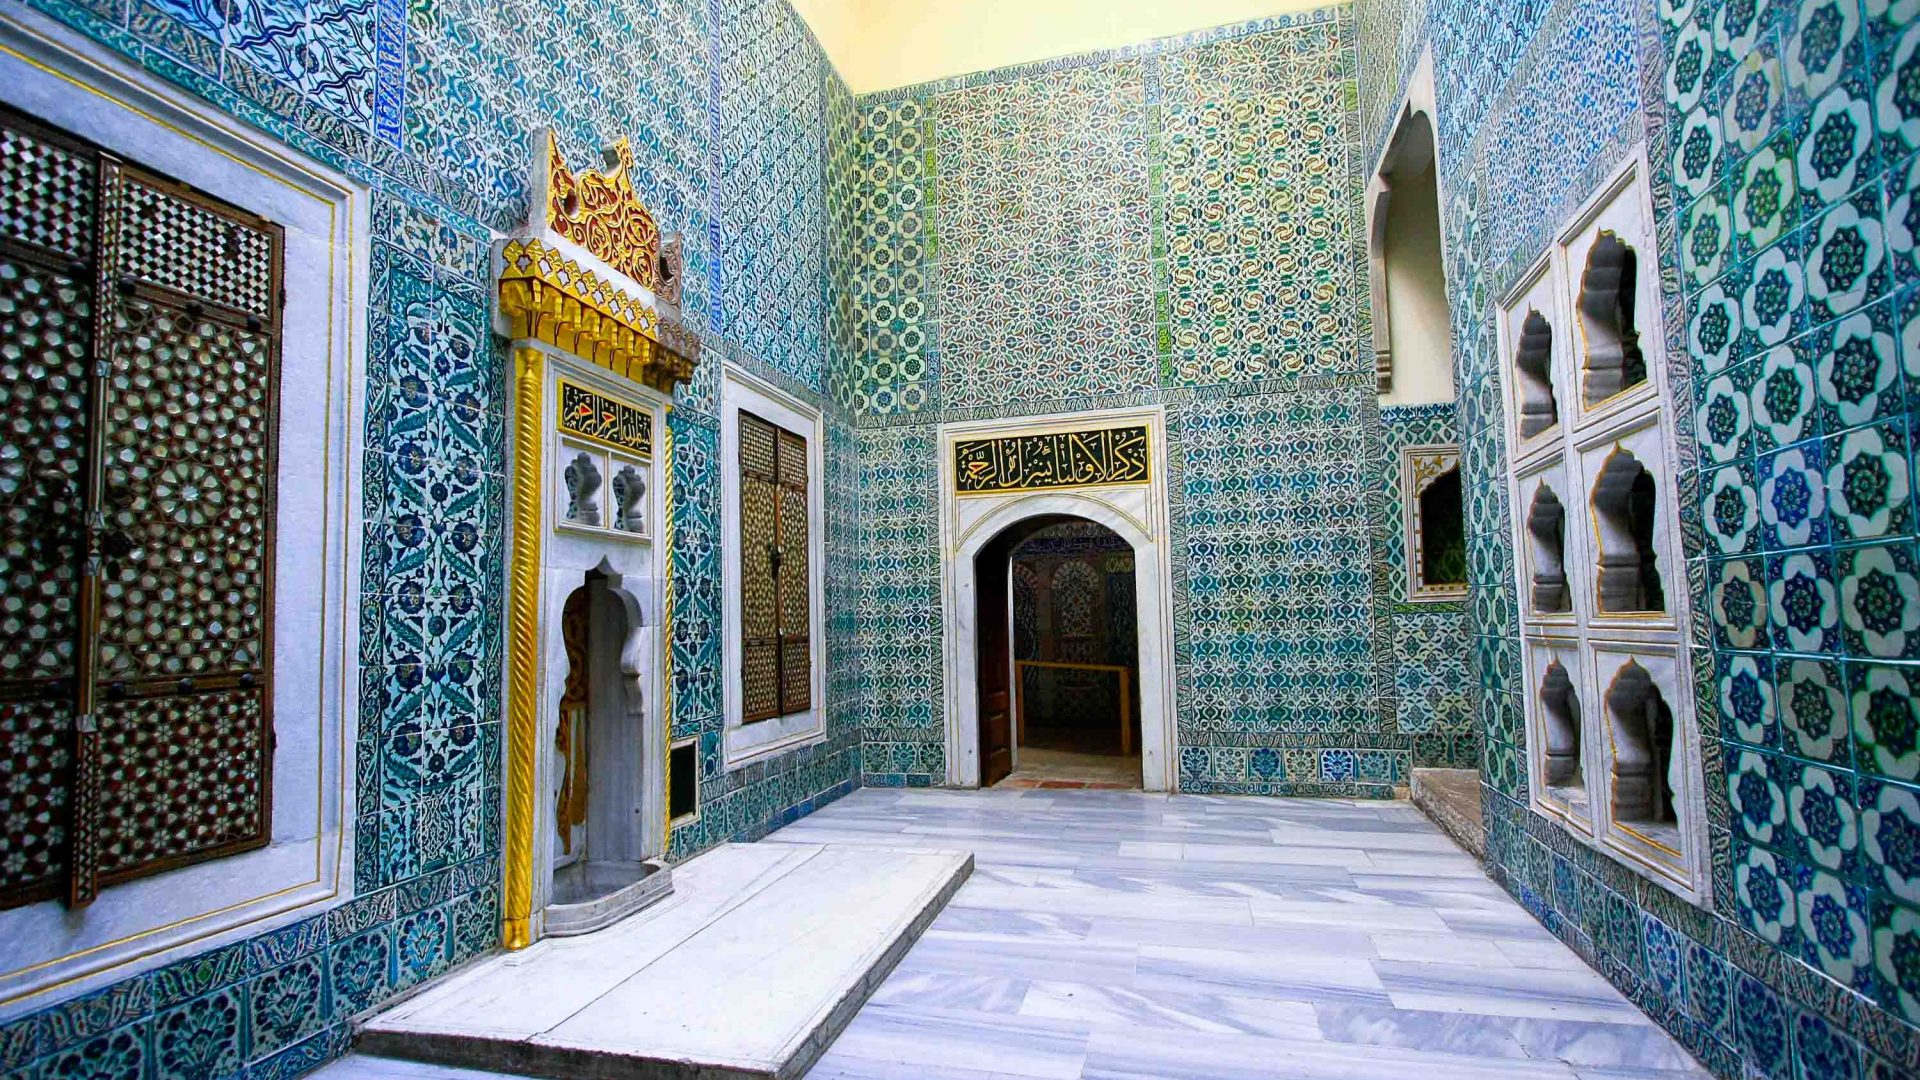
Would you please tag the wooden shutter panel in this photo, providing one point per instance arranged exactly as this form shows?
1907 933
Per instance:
759 598
796 674
47 221
141 725
776 661
188 425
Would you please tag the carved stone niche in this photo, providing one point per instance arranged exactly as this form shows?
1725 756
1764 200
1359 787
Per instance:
1613 361
1533 372
1546 551
1624 502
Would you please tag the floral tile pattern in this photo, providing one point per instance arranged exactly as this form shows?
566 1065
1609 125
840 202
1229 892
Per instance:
432 106
1100 189
1777 136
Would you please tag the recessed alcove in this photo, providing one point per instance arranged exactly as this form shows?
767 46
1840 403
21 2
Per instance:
1625 498
1560 711
1533 371
1644 756
1443 547
1613 362
1547 541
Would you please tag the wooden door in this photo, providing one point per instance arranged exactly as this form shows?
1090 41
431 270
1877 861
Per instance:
994 659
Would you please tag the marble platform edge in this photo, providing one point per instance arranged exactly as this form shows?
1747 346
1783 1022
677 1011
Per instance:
800 1055
536 1057
1449 799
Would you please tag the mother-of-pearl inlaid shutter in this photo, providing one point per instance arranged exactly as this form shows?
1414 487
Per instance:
139 369
776 674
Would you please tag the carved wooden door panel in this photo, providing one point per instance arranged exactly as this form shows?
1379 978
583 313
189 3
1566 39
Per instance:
776 673
139 511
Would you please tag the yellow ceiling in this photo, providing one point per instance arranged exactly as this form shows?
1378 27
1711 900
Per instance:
881 44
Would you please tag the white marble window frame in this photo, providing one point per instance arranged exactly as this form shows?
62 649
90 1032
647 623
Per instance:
746 743
1413 525
50 952
1575 449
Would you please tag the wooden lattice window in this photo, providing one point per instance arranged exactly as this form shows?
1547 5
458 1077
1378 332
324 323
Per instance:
776 675
139 367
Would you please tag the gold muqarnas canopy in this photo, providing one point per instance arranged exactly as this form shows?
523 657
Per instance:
592 274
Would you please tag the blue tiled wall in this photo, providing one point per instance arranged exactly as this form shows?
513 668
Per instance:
1427 658
1781 137
729 103
1085 233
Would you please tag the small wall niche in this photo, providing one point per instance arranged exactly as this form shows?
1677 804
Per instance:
1547 548
1443 548
683 780
583 482
1533 375
1613 362
1644 756
1625 501
1560 724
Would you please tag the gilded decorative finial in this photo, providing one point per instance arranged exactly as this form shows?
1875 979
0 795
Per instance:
600 211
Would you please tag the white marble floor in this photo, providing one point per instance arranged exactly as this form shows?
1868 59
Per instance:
1120 935
1113 935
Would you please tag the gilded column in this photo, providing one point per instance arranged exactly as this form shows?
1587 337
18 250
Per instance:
666 622
523 643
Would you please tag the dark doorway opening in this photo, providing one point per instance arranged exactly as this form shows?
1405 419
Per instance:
1058 643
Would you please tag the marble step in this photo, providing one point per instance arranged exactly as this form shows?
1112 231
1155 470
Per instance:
1451 799
760 957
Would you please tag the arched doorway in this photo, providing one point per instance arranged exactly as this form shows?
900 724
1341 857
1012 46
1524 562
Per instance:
1058 656
1030 492
602 841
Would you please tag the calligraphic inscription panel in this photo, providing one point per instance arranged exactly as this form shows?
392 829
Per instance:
1062 459
606 420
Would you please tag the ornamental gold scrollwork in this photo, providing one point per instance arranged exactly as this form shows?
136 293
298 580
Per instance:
1066 459
599 210
546 296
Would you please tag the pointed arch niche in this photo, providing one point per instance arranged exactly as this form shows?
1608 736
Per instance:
589 295
1107 467
1412 328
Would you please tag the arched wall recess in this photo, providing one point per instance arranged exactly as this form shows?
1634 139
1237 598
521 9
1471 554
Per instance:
1546 551
1644 762
1533 367
1613 362
1412 328
1625 501
1562 728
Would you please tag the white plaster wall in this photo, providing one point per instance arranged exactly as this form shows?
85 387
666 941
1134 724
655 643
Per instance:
1417 293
